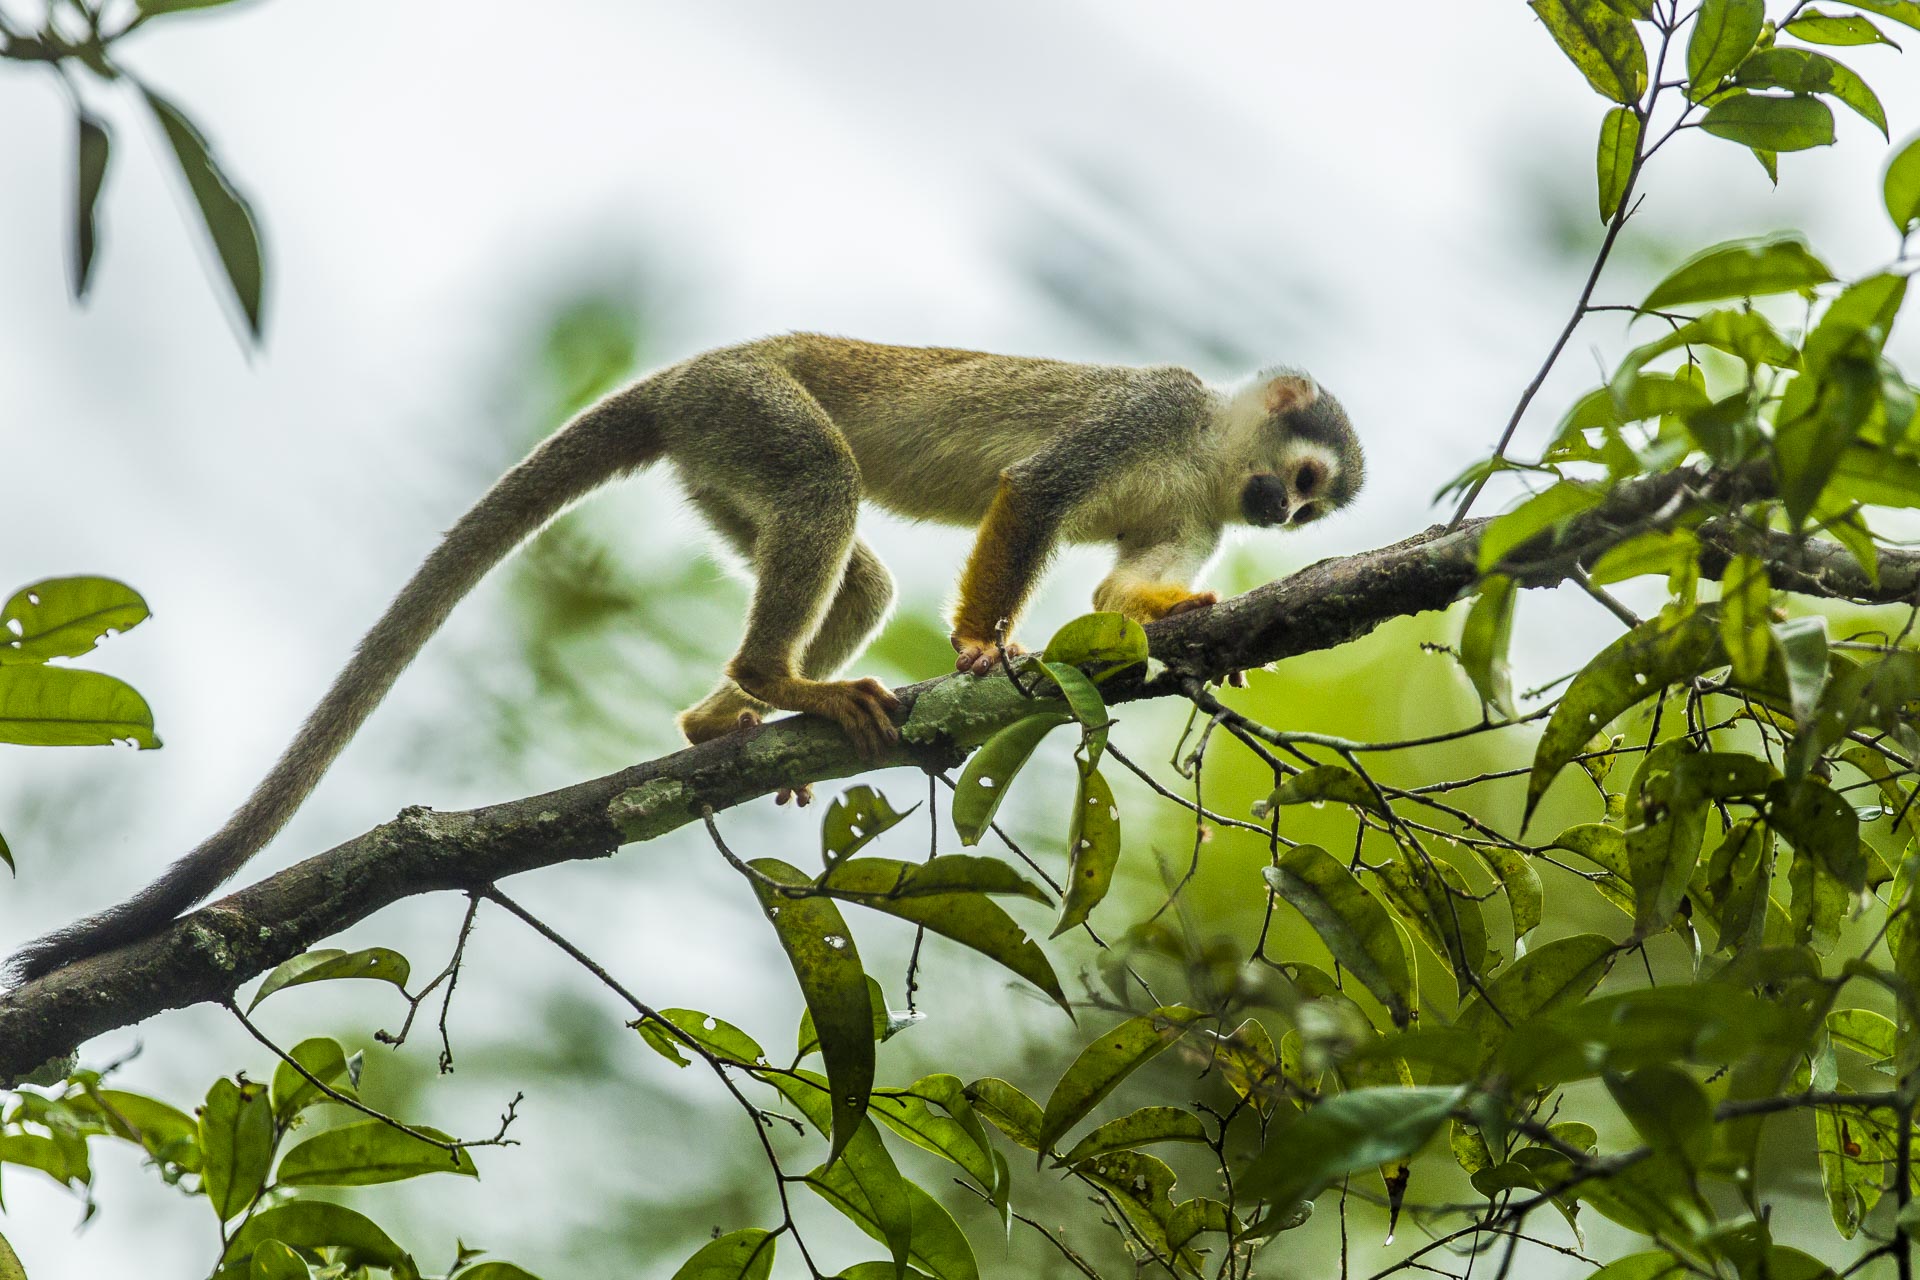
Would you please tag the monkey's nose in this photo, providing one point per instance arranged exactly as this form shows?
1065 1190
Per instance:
1264 501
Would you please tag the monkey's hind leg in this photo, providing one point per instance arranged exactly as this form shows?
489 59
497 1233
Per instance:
800 560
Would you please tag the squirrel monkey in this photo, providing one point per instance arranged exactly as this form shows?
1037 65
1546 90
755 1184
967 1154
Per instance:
776 442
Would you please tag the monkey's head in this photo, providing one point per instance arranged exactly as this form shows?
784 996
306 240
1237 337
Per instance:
1299 458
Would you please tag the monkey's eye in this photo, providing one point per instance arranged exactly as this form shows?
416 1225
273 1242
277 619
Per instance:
1307 479
1307 514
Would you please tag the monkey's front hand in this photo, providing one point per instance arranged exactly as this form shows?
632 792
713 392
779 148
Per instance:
980 656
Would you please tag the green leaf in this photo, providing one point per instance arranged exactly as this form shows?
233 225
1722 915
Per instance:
722 1039
737 1255
10 1266
228 218
1093 845
957 1136
866 1186
326 1061
1903 11
1320 783
1099 637
855 817
1857 322
1440 909
1148 1124
62 707
943 876
1809 447
1669 1110
1526 897
1723 35
1102 1065
495 1271
983 784
275 1261
315 1224
1657 552
1864 1032
1342 1135
1141 1187
90 168
166 1132
964 915
367 1152
1633 668
1769 123
1744 334
1740 268
820 948
1354 927
1601 42
1619 148
1802 645
884 1028
939 1247
1088 707
1552 976
1011 1111
1745 594
1804 71
1484 640
325 964
1901 187
1816 27
1818 821
1546 510
6 854
236 1145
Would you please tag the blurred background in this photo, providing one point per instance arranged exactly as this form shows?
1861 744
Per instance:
478 217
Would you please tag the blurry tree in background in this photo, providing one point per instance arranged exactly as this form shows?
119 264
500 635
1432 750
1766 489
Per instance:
1595 979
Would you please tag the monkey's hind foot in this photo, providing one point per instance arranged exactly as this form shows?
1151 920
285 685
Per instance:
981 656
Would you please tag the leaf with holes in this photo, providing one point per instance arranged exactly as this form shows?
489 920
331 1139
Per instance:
1352 924
1816 820
61 707
950 873
722 1039
1093 850
855 817
1103 1064
983 784
324 964
820 948
1320 783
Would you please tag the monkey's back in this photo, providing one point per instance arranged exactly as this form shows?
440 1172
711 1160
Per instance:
932 428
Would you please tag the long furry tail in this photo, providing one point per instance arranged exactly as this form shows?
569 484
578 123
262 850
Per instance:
614 437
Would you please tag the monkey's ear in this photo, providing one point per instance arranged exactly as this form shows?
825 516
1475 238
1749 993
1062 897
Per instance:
1289 392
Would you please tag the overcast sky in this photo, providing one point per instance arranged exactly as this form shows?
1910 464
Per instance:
1375 192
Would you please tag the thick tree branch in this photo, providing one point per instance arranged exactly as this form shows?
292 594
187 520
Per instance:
206 955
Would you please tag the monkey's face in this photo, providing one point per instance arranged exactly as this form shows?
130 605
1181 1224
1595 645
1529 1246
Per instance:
1308 461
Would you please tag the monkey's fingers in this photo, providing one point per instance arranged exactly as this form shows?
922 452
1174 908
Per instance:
866 717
